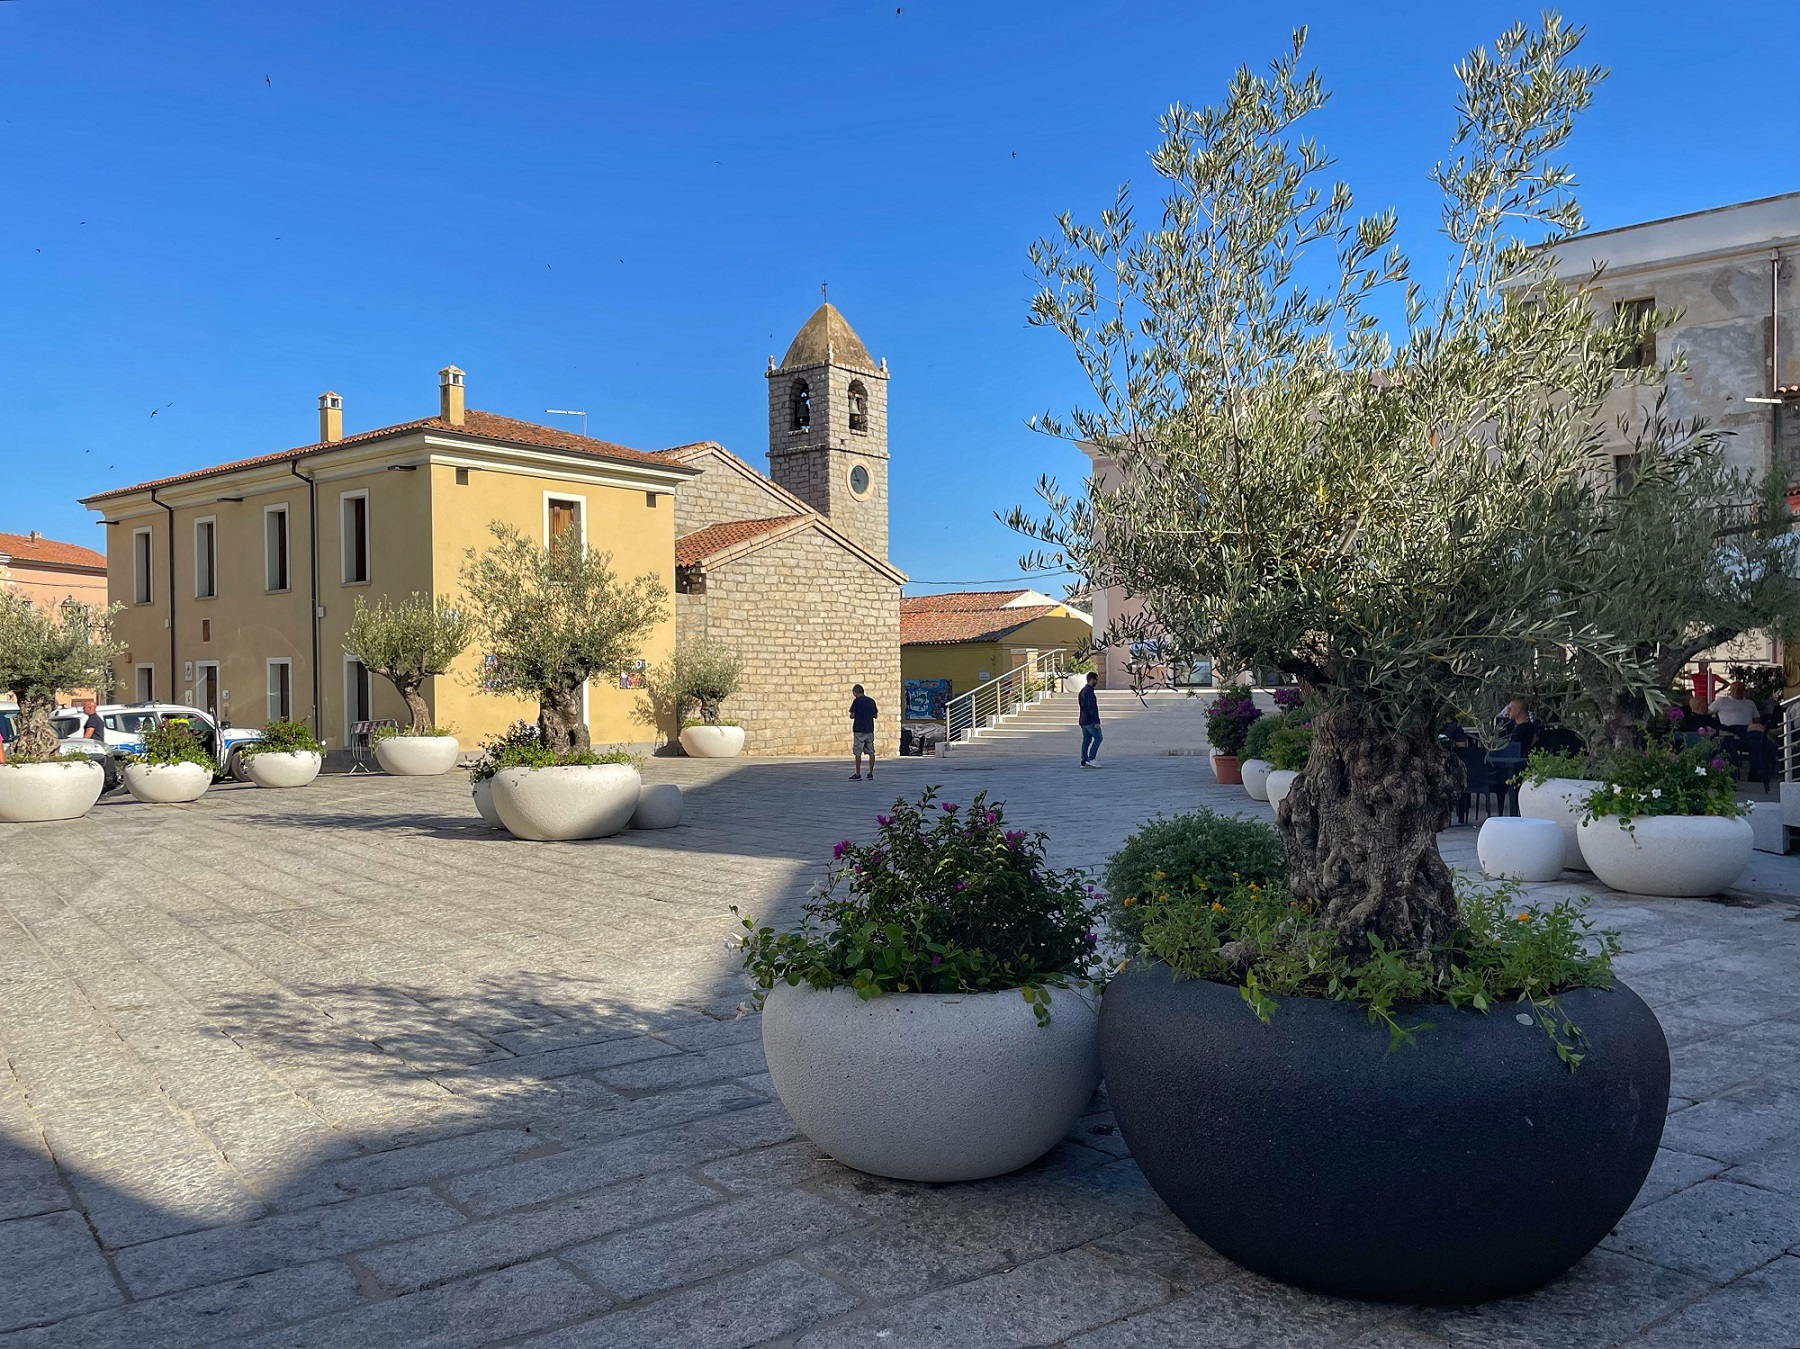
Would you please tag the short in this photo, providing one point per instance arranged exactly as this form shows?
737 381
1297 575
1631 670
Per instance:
862 742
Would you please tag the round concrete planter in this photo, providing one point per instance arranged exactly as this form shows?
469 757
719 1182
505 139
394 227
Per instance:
417 756
1225 769
65 790
1563 800
1468 1166
287 768
167 784
1679 856
1280 783
1255 773
712 742
1512 848
658 807
483 792
924 1086
548 805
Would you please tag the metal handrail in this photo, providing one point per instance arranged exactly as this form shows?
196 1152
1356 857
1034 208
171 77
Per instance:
1790 739
969 714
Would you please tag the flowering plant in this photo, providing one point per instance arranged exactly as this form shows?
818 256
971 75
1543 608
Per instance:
947 899
1228 719
1660 781
1287 698
174 742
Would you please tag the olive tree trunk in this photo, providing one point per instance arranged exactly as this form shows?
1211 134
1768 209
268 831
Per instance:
37 737
415 705
1360 829
559 720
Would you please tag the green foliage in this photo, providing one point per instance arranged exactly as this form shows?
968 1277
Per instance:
1763 684
703 674
1229 718
1291 744
1541 765
1262 940
51 650
1256 739
534 753
943 901
1183 853
697 721
408 643
172 743
284 737
1663 781
496 747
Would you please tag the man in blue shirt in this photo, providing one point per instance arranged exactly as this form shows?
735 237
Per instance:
1090 721
862 730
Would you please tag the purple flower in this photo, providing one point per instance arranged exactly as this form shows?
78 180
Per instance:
937 960
1706 732
1674 713
1718 762
991 817
1287 698
883 821
949 809
837 853
1093 939
962 885
1014 837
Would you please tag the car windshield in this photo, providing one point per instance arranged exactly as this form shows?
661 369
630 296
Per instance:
133 723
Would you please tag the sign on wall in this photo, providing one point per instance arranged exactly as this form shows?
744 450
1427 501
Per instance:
925 699
635 675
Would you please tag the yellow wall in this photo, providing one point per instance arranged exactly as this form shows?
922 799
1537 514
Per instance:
640 537
962 663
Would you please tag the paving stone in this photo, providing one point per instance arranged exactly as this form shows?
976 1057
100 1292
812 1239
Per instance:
703 1032
1761 1310
582 1030
1242 1312
1673 1171
462 1315
29 1184
52 1269
285 1239
712 1241
755 1307
582 1168
757 1127
1038 1303
775 1168
399 1168
559 1062
494 1242
1776 1167
709 1065
220 1313
1734 1128
720 1105
1164 1247
1715 1229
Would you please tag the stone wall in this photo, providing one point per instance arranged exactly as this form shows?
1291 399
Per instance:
722 493
810 620
815 464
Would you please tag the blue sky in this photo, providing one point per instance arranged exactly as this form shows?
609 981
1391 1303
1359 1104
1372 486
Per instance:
217 211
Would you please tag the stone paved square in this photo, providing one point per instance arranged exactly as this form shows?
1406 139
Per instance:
339 1066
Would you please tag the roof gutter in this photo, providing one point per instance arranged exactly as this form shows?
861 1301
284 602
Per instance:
174 663
312 539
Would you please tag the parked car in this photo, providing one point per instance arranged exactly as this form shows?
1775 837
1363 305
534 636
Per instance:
67 744
126 722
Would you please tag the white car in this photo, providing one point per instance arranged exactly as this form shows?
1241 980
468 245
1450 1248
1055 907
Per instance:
77 744
125 724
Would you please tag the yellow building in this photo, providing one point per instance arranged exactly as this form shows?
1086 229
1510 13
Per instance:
951 643
239 581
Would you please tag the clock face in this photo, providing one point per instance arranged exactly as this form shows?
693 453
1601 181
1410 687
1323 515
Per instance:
859 480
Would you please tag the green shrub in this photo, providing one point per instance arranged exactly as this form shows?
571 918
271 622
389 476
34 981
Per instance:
1291 744
1228 720
381 733
1169 856
1541 765
492 748
534 753
283 737
1659 781
172 743
1256 739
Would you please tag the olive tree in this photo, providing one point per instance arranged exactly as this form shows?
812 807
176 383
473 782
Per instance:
408 643
1396 514
554 618
703 674
49 650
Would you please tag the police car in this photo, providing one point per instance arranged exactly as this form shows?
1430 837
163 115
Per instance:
97 750
126 723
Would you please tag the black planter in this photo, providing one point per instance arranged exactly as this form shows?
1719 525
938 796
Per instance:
1469 1166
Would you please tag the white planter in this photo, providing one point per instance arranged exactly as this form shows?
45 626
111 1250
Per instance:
483 792
659 807
551 804
167 784
1563 800
1256 778
417 756
712 742
935 1087
1679 856
49 791
289 768
1280 781
1516 848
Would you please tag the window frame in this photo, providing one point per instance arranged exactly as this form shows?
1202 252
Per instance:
580 502
1642 355
212 558
143 566
270 664
142 675
799 395
368 561
856 397
286 555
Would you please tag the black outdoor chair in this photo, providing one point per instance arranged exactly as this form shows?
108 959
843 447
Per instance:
1503 774
1477 787
1559 740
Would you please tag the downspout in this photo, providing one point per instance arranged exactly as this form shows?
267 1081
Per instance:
174 664
312 534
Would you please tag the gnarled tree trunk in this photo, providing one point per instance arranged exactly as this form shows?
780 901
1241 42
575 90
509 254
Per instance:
415 704
37 737
559 720
1360 829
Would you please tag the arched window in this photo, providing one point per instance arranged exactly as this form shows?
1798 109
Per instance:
800 404
859 406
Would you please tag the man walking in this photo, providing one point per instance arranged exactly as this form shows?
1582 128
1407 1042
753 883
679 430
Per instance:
1090 720
862 730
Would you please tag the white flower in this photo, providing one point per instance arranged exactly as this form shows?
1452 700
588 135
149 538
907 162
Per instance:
1700 770
1656 791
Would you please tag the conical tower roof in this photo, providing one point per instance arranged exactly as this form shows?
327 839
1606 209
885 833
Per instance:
827 336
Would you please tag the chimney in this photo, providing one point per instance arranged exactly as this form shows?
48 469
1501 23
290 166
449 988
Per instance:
450 395
37 536
331 418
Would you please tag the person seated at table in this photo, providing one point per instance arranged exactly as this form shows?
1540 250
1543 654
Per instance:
1734 711
1521 731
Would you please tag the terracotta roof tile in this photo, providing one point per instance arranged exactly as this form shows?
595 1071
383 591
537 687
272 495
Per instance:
50 553
702 544
925 627
959 601
485 425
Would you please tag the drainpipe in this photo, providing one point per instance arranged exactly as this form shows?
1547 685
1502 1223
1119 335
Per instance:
312 534
174 664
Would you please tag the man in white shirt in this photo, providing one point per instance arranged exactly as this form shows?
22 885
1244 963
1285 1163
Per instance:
1734 710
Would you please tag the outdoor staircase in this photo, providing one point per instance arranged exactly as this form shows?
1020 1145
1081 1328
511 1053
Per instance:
1048 727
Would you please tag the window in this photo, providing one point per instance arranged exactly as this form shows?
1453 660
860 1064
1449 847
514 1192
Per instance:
799 406
275 548
650 500
561 516
859 406
1625 471
356 537
146 684
206 558
1637 339
136 723
206 629
281 689
462 477
140 566
859 481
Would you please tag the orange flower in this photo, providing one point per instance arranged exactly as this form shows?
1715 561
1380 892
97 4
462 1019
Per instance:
1524 918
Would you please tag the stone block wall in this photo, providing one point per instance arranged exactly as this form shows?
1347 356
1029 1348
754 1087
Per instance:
810 620
815 464
722 493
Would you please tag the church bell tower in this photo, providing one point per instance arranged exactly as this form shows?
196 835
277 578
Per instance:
828 428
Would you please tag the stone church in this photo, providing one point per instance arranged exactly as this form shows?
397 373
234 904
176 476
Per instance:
791 569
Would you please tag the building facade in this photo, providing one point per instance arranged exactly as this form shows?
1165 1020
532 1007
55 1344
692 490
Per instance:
951 643
239 581
50 574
